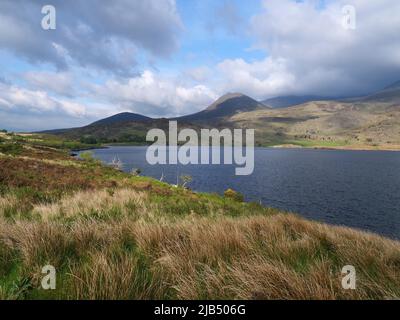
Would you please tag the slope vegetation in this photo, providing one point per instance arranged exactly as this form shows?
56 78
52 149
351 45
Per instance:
111 235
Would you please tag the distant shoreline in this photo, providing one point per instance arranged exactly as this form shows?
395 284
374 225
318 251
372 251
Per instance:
280 146
345 148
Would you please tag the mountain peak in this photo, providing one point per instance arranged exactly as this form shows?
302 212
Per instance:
231 95
122 117
234 100
225 107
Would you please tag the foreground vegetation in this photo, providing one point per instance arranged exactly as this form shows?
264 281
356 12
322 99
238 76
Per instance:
112 235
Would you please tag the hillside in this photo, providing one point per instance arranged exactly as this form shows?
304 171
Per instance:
112 235
289 101
368 122
132 132
326 123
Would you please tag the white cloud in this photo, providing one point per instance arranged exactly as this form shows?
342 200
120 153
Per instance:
60 83
107 36
199 74
21 100
153 95
255 79
322 56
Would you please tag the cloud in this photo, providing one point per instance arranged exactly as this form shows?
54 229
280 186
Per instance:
61 83
107 36
199 74
21 100
32 122
308 51
29 110
154 95
324 57
257 78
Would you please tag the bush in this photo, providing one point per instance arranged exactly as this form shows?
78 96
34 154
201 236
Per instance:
87 156
131 137
11 149
234 195
88 140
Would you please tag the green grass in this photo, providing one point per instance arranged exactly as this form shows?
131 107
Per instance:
45 140
10 148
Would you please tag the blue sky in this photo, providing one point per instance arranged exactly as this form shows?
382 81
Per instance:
167 58
218 30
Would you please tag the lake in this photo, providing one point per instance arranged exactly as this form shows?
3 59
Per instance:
359 189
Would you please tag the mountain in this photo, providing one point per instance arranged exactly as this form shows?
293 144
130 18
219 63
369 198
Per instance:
370 121
226 106
122 117
122 127
288 101
131 127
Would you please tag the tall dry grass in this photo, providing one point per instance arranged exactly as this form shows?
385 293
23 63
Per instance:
7 202
142 255
12 208
100 204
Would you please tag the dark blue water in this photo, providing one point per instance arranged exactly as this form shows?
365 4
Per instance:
358 189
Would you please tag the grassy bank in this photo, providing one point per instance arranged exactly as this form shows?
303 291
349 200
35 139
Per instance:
112 235
338 145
